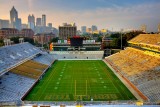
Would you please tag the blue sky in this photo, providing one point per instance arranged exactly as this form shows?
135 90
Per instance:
108 14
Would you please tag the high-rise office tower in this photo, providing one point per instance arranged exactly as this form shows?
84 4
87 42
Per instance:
94 28
50 25
24 26
83 29
143 28
89 30
19 24
4 23
44 20
31 22
38 22
67 30
13 17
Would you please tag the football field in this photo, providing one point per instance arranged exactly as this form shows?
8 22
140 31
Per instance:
72 80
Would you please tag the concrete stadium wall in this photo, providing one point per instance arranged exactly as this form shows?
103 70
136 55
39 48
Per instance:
65 55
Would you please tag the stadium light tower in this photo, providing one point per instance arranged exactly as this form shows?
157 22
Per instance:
159 28
121 38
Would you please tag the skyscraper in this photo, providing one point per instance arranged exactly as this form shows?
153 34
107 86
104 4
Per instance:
89 30
143 28
19 24
44 20
83 29
4 23
94 28
31 22
38 22
24 26
50 25
13 17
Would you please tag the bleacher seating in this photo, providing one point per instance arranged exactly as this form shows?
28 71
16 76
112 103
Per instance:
24 71
153 39
35 65
140 68
30 69
14 54
45 58
13 86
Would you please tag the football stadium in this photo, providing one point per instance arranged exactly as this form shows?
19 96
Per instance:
80 76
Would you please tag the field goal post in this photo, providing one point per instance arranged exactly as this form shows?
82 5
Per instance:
76 91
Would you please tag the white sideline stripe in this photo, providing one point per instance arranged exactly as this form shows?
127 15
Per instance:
79 59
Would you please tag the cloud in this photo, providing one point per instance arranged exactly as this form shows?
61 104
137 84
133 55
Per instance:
117 17
105 14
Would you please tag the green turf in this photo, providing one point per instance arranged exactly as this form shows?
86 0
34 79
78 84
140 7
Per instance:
79 80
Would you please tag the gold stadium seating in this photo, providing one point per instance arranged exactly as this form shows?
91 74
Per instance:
149 42
141 68
132 61
36 65
30 69
153 39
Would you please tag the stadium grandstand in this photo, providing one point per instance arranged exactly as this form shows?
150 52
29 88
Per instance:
152 39
64 55
14 55
29 75
140 65
77 49
21 65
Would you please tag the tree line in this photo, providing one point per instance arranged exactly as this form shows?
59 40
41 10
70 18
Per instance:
114 44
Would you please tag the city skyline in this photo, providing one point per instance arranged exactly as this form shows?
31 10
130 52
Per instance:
108 14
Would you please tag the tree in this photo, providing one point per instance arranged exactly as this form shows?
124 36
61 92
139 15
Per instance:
15 39
30 40
55 39
96 35
131 35
1 42
116 35
99 39
26 39
116 43
45 46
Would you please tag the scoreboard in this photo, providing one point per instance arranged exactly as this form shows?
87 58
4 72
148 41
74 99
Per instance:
76 41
